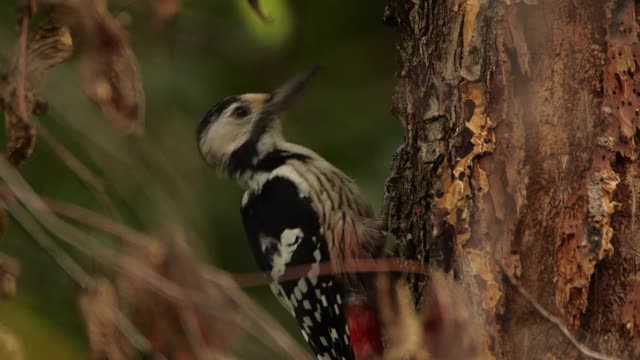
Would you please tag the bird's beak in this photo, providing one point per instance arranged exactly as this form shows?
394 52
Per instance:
283 96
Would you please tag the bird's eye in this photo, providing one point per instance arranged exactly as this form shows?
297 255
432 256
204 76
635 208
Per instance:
240 112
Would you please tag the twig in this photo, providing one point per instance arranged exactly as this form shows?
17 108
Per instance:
99 222
92 181
278 333
160 285
66 263
192 330
84 243
326 268
133 237
76 273
21 59
220 278
550 317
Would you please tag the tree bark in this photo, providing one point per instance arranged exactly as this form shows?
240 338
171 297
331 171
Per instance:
520 121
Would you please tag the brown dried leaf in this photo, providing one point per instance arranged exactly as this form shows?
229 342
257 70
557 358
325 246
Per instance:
174 330
165 11
21 135
110 76
16 95
112 81
9 271
10 346
446 328
451 329
98 307
402 328
49 45
107 66
257 9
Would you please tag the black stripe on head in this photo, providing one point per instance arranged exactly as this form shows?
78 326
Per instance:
241 159
213 114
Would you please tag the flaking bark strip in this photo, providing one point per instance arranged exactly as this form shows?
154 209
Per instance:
621 105
617 144
456 199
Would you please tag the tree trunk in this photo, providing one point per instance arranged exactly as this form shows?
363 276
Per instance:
520 125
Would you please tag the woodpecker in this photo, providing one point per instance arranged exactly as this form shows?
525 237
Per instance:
300 211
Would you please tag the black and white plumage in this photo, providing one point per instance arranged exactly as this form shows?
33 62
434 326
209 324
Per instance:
297 210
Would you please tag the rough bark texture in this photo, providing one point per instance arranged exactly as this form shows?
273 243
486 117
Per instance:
520 127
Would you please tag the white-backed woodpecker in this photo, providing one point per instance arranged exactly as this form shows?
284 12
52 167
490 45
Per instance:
299 211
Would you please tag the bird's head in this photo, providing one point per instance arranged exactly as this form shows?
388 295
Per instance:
238 130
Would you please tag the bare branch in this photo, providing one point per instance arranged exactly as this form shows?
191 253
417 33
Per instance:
160 285
20 132
95 184
326 268
550 317
9 270
75 272
21 59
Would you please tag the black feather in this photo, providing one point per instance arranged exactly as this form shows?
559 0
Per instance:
242 159
278 207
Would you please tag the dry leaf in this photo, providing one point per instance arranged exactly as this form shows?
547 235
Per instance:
10 346
165 11
98 307
17 97
107 66
50 45
402 328
452 329
111 80
177 331
9 270
21 135
446 328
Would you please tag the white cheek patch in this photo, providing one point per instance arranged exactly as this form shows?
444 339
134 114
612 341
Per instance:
223 137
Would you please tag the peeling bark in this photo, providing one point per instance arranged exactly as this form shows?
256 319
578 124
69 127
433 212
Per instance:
521 122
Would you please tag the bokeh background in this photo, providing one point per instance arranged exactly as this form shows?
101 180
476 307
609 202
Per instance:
212 49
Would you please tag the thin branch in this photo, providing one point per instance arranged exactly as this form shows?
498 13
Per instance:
584 350
76 273
326 268
152 280
66 263
136 238
85 244
218 277
192 330
100 222
21 60
277 332
95 184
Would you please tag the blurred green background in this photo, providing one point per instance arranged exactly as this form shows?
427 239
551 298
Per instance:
214 48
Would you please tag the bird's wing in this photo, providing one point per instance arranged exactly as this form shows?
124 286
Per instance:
284 231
